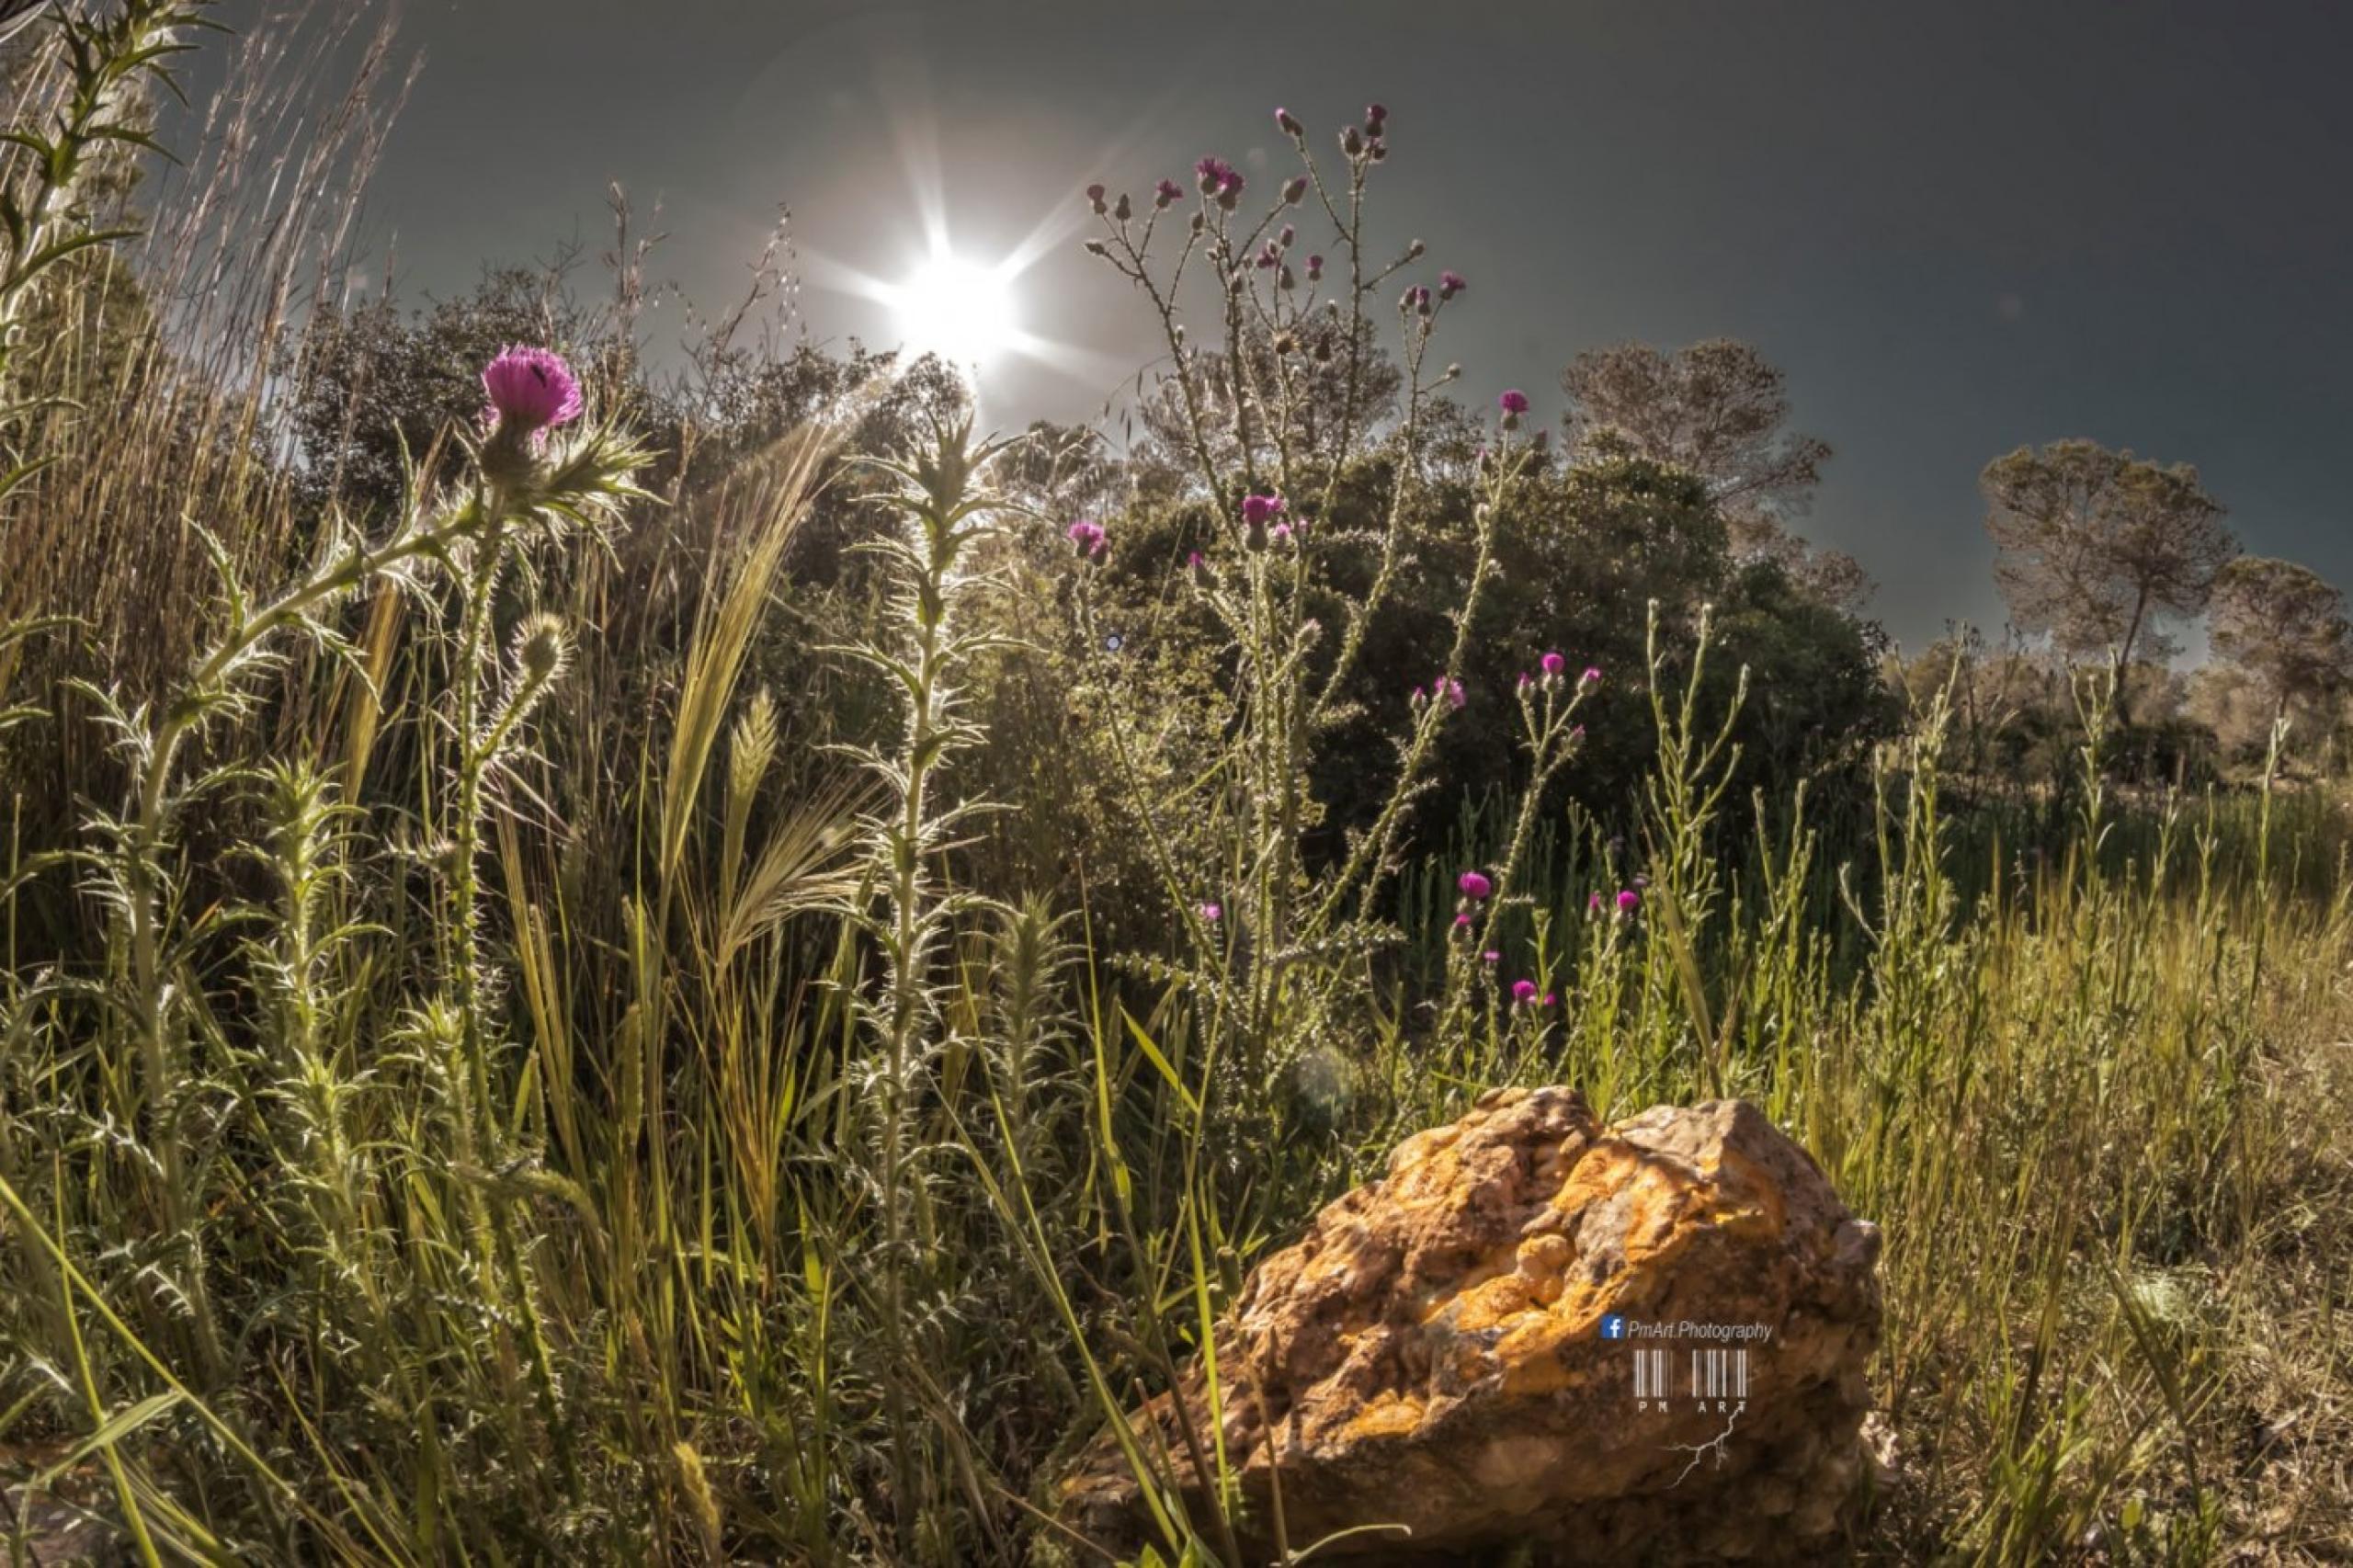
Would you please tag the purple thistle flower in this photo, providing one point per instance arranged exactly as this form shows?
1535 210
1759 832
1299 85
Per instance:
1451 690
1314 268
1523 992
1593 905
1474 885
1449 284
1259 510
1628 900
1525 680
1491 956
1550 998
1294 188
1462 921
1166 192
1088 535
1554 664
1212 913
1289 123
1213 171
530 390
1094 198
1281 531
1193 561
1514 402
1375 116
1592 676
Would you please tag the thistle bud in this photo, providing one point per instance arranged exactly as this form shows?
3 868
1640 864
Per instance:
1376 149
1285 279
543 648
1352 142
1097 247
1123 209
1294 188
1316 269
1290 123
1094 198
1375 116
1413 251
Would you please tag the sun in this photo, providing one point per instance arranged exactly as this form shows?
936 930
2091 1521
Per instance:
958 309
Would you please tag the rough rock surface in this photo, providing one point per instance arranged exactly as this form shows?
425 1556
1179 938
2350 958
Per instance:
1432 1353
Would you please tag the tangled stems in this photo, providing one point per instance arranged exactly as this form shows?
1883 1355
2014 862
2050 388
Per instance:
586 486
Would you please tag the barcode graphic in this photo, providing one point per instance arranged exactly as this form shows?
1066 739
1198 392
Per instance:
1720 1374
1650 1374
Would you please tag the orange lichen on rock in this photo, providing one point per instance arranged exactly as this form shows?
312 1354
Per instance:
1431 1352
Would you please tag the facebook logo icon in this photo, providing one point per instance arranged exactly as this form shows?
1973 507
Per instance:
1613 1328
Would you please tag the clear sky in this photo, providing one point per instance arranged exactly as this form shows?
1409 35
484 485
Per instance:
1957 227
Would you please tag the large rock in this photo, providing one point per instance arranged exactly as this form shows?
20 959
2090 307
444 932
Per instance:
1455 1349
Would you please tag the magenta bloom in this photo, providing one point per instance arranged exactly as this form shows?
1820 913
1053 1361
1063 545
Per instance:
1628 900
1314 268
1193 561
1281 531
1523 992
532 390
1525 680
1212 913
1289 123
1474 885
1167 191
1462 921
1550 998
1491 956
1591 677
1219 177
1449 689
1593 905
1088 535
1374 114
1554 664
1514 402
1449 284
1259 510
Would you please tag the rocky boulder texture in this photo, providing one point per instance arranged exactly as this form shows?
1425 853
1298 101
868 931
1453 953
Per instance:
1542 1339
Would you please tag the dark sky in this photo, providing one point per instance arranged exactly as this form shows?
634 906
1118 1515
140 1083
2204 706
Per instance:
1958 228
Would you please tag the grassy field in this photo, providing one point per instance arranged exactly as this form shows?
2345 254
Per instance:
477 1083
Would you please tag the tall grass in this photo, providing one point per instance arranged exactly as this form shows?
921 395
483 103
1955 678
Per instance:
475 1086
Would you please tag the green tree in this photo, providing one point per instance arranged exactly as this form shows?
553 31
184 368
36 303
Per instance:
2284 626
2099 549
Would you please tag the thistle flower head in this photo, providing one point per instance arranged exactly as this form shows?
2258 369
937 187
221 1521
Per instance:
1086 535
1475 885
1512 403
1314 268
1553 664
1294 189
530 390
1257 511
1449 284
1094 198
1628 900
1289 123
1491 956
1523 992
1211 912
1166 192
1592 676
